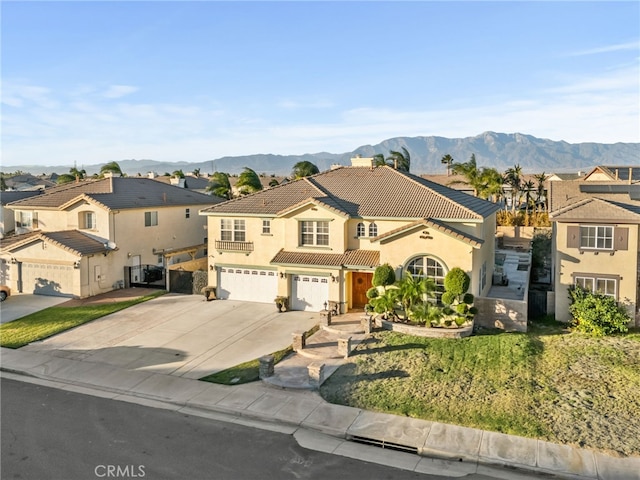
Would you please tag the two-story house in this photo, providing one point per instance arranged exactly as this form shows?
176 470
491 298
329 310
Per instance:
596 229
76 239
319 239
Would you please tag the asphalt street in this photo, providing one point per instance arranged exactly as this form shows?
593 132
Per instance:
54 434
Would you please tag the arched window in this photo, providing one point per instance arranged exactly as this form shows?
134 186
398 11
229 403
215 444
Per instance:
360 231
373 230
425 266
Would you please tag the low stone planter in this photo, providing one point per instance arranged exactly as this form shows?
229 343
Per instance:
432 332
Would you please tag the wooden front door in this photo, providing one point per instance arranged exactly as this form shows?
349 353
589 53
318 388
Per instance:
360 283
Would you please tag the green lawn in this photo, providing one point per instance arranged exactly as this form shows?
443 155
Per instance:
548 384
54 320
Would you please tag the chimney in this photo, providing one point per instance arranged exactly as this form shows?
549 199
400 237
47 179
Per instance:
359 161
177 181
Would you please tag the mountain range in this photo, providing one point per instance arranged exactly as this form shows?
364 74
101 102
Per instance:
498 150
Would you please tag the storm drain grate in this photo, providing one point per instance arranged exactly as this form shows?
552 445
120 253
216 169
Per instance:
382 444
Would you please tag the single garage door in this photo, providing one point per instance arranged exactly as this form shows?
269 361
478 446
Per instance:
247 284
47 279
309 293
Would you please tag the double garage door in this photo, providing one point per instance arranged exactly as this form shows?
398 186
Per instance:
47 279
248 284
309 292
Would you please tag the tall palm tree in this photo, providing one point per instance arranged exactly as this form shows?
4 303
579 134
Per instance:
248 182
111 167
447 160
485 182
528 187
220 186
178 174
513 178
400 160
196 172
303 169
78 174
540 178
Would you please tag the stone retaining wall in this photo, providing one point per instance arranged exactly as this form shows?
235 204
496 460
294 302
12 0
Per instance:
432 332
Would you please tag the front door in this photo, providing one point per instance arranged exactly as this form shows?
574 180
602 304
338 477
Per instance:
360 283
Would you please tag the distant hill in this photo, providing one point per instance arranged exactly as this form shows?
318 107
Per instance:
499 150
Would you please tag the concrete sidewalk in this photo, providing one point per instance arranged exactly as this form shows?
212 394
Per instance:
434 448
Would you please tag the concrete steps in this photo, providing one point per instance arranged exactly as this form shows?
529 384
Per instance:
320 348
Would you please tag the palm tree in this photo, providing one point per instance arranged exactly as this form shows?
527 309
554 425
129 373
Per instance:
111 167
469 171
447 160
196 172
220 186
413 289
78 174
400 160
248 182
540 178
513 178
303 169
378 160
527 188
491 183
178 174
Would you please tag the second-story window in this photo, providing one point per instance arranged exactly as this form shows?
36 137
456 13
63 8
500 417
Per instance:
187 213
232 230
150 219
90 220
26 220
266 227
360 230
373 230
596 237
314 233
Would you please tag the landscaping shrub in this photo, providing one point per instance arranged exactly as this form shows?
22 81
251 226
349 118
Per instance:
383 276
457 281
596 314
372 293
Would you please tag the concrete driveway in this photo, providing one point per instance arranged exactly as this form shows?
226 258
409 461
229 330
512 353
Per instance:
181 335
20 304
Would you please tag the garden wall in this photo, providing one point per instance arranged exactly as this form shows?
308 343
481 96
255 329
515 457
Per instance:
505 314
435 332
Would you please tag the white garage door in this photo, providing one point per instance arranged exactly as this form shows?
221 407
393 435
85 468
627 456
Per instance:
309 293
47 279
247 284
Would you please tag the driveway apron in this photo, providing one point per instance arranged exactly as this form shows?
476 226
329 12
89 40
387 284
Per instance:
181 335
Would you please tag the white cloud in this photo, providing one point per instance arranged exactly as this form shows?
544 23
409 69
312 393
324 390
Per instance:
635 45
118 91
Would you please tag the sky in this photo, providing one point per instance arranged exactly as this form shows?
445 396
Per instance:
89 82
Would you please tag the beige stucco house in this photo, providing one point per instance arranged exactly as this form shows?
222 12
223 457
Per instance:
596 225
320 238
76 239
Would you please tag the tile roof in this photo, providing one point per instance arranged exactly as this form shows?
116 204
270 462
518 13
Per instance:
425 222
577 199
350 258
118 193
363 192
73 241
9 196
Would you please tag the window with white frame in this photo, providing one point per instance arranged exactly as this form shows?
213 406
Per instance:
25 220
266 226
314 233
596 237
373 230
429 267
603 285
360 230
89 220
150 219
232 230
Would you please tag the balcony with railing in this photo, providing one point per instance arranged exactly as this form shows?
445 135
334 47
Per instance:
229 246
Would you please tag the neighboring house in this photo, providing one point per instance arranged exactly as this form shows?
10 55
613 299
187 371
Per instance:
7 221
596 227
76 239
27 182
190 181
320 238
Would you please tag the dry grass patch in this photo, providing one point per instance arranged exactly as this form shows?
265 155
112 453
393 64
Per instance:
548 384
